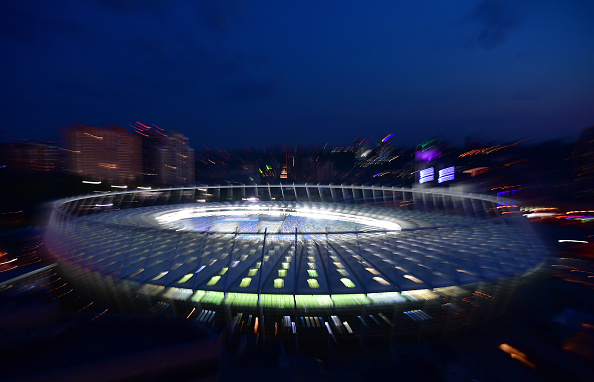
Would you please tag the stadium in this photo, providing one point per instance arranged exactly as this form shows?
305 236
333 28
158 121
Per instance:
310 260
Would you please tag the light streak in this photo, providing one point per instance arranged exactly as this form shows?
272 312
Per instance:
9 261
100 314
427 175
446 174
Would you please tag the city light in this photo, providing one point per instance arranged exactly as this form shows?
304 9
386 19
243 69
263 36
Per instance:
387 137
446 174
427 175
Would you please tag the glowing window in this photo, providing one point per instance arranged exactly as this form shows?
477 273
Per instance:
313 283
252 272
312 273
282 273
371 270
177 265
347 282
413 278
311 265
338 265
214 280
245 282
279 283
223 271
381 281
285 265
185 278
343 272
465 271
160 275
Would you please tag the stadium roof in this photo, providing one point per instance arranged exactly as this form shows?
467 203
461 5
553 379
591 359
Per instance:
238 262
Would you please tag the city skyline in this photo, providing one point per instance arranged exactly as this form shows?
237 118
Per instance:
232 74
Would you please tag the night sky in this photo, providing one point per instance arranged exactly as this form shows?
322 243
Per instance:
255 73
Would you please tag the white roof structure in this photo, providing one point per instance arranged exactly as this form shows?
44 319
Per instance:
277 253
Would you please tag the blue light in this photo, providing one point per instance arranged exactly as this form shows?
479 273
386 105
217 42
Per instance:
387 137
427 175
446 174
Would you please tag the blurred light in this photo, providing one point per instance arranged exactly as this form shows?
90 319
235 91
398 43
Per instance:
348 327
213 280
427 155
413 278
516 354
427 175
201 268
185 278
540 215
90 182
381 281
160 275
572 241
9 261
446 174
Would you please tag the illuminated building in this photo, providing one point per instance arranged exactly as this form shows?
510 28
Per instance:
306 257
107 154
167 157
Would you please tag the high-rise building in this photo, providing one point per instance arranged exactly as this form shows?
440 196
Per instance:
33 157
167 158
107 154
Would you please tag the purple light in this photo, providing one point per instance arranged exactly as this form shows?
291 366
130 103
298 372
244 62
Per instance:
427 155
387 137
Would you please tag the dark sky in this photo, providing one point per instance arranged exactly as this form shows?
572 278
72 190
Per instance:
255 73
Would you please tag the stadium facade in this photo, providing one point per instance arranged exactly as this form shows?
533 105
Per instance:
319 260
